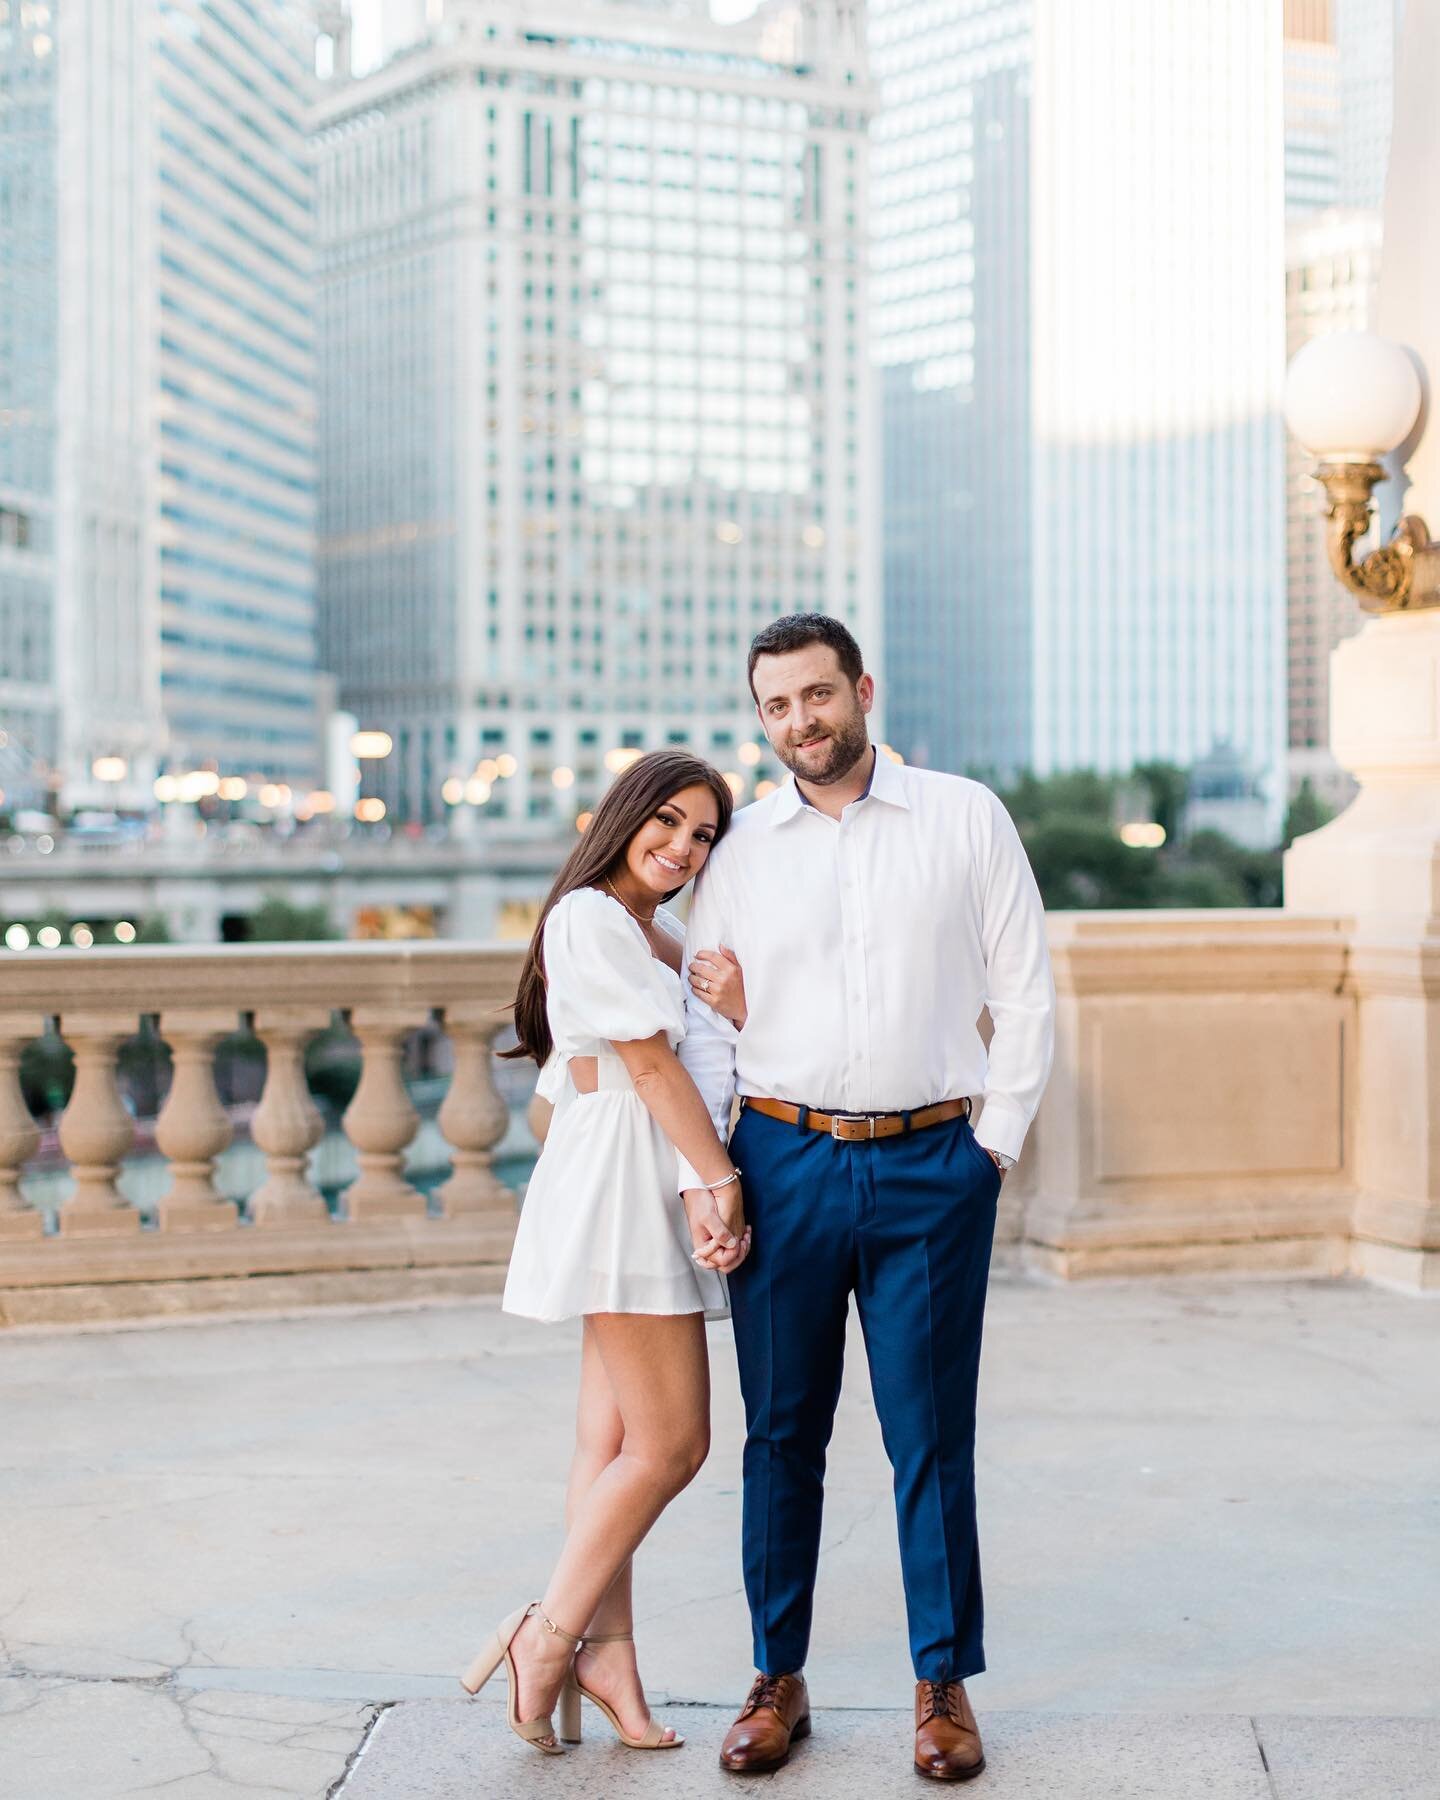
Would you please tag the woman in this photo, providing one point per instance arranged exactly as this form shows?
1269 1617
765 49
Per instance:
605 1235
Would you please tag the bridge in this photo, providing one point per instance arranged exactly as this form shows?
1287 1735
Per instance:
484 889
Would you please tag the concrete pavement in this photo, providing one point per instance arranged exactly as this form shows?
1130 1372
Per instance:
246 1557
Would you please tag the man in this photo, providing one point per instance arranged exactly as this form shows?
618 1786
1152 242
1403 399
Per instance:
874 910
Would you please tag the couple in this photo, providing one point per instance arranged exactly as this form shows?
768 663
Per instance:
844 938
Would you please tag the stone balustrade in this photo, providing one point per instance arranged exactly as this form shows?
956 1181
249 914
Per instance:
282 1244
1208 1099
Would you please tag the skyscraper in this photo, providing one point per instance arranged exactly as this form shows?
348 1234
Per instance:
1367 33
235 244
157 390
595 391
1312 107
1078 254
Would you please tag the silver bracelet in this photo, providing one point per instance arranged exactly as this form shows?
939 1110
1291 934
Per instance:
734 1175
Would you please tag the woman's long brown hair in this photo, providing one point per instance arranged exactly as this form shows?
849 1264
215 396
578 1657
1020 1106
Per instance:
629 804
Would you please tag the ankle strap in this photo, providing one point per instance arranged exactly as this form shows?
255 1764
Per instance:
556 1630
610 1637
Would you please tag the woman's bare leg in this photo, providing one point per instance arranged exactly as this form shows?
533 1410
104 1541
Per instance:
656 1383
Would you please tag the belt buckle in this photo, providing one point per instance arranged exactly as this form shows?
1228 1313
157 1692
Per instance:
839 1119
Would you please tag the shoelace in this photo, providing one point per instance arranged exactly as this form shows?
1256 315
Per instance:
765 1692
941 1701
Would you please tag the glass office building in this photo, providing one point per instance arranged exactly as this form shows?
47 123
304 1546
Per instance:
951 302
157 390
29 276
595 390
235 247
1079 261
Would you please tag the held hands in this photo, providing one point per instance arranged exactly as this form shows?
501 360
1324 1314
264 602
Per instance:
717 979
717 1227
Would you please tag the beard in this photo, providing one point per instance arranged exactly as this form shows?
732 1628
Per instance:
832 760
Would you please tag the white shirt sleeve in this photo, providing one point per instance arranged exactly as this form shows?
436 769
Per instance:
708 1049
602 983
1020 989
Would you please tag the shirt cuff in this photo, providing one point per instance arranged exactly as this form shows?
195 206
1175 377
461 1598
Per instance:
1002 1126
688 1176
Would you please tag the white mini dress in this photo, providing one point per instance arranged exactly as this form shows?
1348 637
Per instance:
602 1228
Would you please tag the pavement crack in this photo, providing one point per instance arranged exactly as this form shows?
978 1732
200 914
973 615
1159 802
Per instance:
1264 1759
371 1725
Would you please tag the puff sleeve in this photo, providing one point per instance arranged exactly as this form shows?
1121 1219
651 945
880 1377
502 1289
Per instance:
602 982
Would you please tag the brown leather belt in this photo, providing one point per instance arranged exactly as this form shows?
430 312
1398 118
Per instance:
856 1128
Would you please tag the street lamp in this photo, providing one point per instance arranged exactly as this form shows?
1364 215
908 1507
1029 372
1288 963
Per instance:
1351 398
109 768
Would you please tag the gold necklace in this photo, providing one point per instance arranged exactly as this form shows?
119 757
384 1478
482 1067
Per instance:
639 918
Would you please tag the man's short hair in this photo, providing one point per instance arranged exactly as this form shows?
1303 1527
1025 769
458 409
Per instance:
795 631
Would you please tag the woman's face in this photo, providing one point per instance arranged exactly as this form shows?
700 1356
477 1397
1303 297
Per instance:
670 848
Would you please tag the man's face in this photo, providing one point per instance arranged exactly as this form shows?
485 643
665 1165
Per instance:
813 714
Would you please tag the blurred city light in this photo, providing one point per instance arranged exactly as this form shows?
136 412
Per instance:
371 744
125 932
370 811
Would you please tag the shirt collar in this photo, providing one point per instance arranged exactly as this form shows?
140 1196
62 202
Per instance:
887 783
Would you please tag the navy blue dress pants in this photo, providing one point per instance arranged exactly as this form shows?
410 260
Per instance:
905 1224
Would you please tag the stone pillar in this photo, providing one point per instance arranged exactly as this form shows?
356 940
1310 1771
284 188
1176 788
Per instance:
1378 865
96 1130
19 1134
287 1124
381 1120
474 1117
193 1128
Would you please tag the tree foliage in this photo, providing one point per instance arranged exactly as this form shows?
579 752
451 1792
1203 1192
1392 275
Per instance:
1069 824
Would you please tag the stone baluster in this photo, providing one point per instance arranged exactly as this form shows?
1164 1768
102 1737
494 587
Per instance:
473 1117
381 1119
287 1123
19 1134
95 1129
193 1128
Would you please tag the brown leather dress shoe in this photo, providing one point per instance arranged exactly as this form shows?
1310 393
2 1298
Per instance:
775 1716
947 1739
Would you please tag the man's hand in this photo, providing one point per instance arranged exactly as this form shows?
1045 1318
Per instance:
717 978
718 1231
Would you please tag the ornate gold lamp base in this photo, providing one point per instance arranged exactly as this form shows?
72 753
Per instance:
1401 576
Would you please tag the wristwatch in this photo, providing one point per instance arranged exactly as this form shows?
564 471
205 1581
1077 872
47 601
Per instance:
1001 1161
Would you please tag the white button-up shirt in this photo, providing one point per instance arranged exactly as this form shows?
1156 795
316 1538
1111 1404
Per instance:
869 945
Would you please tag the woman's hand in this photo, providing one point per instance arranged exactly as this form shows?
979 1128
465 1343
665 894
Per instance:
717 978
718 1231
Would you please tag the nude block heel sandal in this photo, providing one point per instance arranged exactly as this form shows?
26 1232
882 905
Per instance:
538 1733
653 1737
